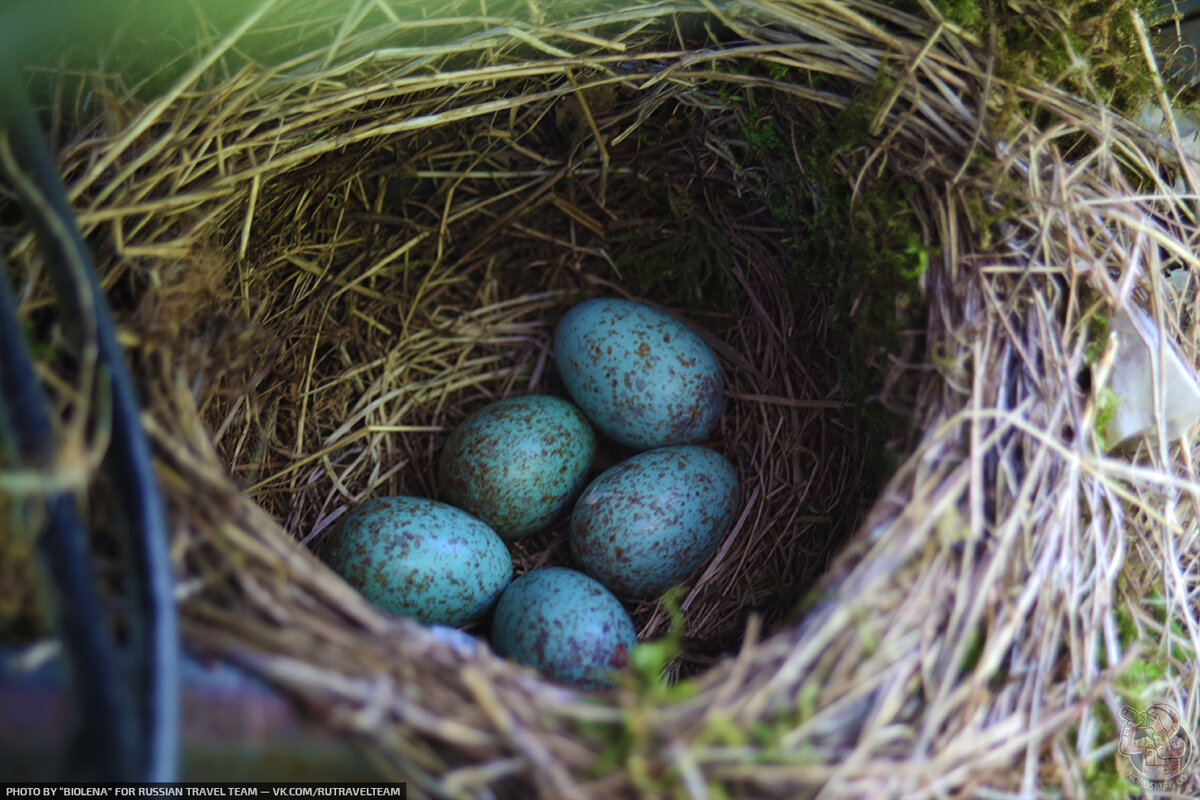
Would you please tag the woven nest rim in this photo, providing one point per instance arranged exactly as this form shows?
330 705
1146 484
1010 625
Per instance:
895 641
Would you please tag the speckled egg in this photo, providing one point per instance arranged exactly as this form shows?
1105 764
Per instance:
565 625
643 525
641 376
420 558
518 463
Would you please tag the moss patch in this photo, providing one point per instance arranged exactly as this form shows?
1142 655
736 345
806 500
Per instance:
867 249
1089 47
1101 776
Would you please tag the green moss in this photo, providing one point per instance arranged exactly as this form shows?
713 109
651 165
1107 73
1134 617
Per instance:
721 729
867 640
868 252
1139 684
633 745
974 650
768 738
777 71
1100 777
687 263
717 790
1097 330
646 775
964 13
617 746
773 736
1097 339
650 659
1106 406
1091 48
1104 783
1179 648
1088 47
806 701
1135 683
1158 657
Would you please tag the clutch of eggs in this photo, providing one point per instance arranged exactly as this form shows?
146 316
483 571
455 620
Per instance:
511 469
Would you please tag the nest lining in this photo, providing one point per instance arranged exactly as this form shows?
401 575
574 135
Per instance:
321 268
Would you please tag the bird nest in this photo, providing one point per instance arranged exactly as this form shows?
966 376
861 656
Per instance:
325 252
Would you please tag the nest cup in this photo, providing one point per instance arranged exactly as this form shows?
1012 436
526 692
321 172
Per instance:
325 256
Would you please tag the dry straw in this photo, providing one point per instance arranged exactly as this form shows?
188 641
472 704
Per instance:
324 252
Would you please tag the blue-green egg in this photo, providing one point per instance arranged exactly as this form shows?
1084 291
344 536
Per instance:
517 463
645 524
565 625
420 558
640 375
